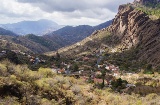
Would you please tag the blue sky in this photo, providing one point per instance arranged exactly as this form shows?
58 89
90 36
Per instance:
63 12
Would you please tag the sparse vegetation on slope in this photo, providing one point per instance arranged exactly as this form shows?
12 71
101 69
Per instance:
19 85
150 7
50 43
154 13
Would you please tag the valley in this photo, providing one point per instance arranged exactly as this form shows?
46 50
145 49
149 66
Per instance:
113 63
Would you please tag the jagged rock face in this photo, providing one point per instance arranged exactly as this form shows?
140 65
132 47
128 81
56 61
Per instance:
135 28
126 25
150 42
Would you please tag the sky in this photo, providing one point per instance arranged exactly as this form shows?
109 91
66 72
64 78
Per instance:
63 12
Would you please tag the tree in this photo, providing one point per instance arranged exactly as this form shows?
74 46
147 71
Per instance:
75 67
103 77
118 84
12 56
58 56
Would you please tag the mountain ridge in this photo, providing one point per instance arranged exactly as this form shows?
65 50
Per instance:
77 33
38 27
6 32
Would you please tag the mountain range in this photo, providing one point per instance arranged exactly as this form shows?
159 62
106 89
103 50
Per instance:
131 41
49 42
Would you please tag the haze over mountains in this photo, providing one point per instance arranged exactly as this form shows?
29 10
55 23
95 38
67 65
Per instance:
39 27
44 26
6 32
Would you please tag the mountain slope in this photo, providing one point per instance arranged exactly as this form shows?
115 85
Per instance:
6 32
74 34
150 3
39 27
150 7
7 43
32 43
50 42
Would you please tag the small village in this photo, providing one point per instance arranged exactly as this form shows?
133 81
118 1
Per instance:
93 74
100 73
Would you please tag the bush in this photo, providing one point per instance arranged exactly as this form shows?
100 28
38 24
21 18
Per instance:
118 84
46 72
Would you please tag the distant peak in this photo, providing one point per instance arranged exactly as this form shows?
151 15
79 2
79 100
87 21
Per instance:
41 20
45 20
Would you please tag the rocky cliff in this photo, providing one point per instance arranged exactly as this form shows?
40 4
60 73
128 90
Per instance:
134 28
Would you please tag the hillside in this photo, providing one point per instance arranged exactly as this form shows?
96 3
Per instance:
21 86
32 43
52 43
21 43
6 32
150 7
39 27
132 41
7 43
74 34
148 3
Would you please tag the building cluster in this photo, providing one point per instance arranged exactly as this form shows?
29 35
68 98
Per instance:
32 59
3 52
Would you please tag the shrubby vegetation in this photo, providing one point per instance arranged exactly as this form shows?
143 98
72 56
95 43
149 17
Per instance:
150 9
21 86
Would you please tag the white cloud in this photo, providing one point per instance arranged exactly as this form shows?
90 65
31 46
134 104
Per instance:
65 12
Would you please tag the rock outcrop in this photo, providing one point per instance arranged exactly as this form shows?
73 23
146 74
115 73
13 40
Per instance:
135 29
